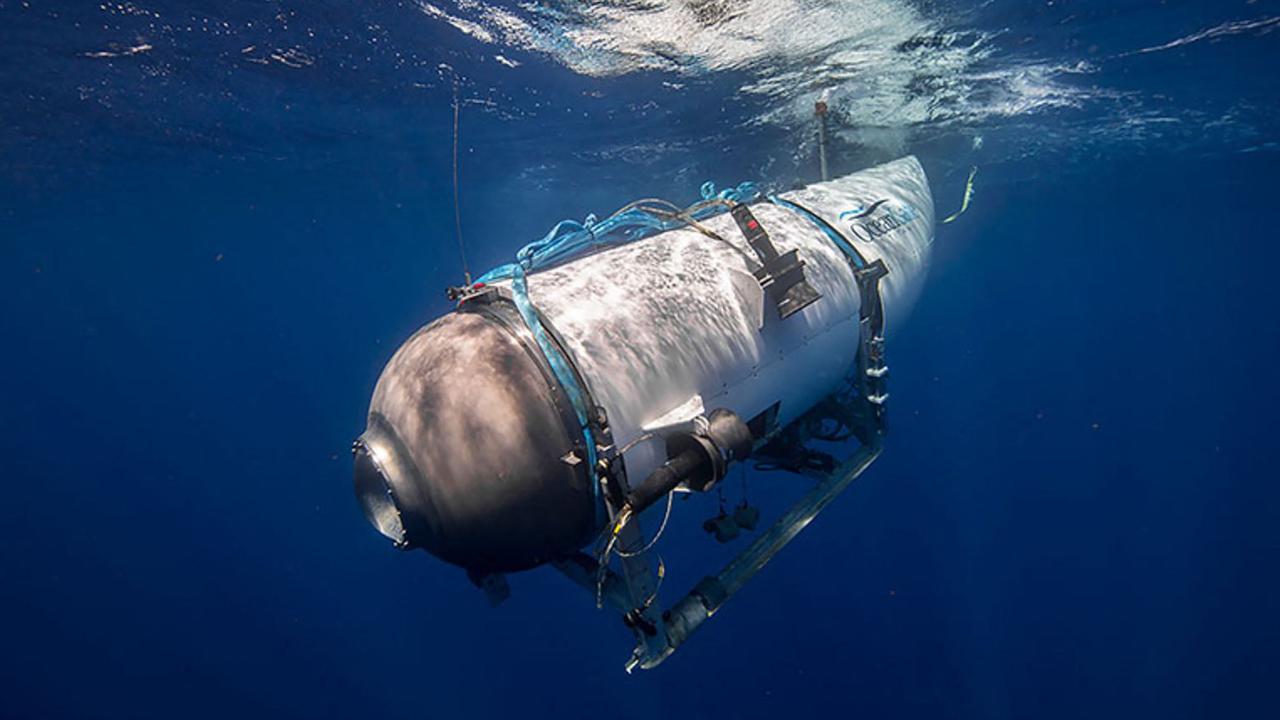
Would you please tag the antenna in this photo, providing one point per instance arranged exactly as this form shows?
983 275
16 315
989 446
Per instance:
457 212
820 111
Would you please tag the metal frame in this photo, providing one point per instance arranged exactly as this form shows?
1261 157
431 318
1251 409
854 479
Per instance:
633 591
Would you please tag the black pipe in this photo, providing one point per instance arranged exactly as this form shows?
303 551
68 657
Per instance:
698 460
665 479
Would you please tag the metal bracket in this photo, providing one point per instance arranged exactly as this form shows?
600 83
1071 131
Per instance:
860 407
467 293
781 276
866 418
709 595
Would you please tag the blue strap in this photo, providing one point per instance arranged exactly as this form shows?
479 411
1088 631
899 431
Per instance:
745 192
561 368
570 238
564 241
848 249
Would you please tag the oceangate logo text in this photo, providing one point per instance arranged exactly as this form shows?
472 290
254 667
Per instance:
879 219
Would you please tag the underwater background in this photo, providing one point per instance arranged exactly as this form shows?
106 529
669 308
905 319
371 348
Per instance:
218 220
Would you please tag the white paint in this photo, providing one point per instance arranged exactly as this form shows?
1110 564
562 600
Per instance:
681 415
656 322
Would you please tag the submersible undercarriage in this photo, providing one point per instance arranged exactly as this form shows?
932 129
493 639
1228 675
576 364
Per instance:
618 362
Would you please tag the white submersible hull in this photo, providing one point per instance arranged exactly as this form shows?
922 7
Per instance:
653 324
555 403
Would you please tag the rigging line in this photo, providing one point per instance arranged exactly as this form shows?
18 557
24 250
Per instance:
643 201
685 215
602 563
689 220
643 438
457 212
666 516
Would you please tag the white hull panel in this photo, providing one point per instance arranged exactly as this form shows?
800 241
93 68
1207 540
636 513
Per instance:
654 323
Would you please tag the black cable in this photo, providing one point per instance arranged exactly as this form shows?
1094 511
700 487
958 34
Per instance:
457 212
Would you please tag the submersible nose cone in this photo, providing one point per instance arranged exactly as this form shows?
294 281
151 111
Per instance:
463 455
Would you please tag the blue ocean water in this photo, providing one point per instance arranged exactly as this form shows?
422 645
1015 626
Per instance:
219 221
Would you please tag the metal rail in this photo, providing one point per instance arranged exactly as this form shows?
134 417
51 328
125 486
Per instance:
709 595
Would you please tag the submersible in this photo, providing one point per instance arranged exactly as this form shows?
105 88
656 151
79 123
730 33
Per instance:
617 362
